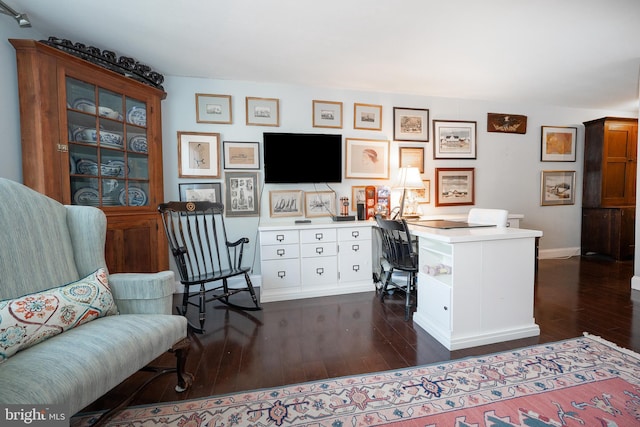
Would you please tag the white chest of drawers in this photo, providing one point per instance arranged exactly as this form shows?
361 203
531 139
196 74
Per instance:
318 259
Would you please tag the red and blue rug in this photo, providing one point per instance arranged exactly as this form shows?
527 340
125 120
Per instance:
585 381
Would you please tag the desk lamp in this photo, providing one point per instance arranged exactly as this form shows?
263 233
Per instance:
408 179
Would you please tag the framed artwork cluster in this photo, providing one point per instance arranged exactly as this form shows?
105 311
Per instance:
311 204
241 193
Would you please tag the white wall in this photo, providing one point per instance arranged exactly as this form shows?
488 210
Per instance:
507 168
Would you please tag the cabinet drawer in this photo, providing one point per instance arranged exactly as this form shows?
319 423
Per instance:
354 234
280 251
319 271
318 249
280 273
318 235
279 237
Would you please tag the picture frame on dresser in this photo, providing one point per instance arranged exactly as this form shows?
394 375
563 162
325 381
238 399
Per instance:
327 114
319 204
262 111
201 192
241 197
455 186
198 155
557 187
284 203
367 116
410 124
212 108
558 144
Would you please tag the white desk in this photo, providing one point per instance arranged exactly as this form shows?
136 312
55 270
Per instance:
484 292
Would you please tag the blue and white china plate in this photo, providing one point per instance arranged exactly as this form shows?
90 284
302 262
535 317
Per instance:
86 196
137 116
137 197
138 144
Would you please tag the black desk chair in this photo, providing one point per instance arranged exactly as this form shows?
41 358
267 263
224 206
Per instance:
399 252
198 241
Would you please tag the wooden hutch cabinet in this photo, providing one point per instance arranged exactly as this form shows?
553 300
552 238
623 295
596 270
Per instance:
609 187
92 136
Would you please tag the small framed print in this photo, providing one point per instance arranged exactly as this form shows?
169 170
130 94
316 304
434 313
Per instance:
558 188
319 203
327 114
241 194
367 158
424 194
412 156
201 192
213 108
455 186
410 124
285 203
367 116
506 123
241 155
198 155
357 196
263 111
558 144
454 139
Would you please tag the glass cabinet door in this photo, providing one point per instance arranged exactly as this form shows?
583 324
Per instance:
108 153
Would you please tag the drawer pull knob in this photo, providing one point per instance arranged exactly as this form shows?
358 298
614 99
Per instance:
280 252
319 250
445 308
355 248
355 234
319 271
280 237
356 267
282 274
319 236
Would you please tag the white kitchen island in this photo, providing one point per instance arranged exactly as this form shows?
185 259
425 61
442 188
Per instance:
476 285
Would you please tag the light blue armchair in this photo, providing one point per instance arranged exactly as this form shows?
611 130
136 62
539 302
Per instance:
44 244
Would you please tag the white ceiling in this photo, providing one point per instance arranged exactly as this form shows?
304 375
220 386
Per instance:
576 53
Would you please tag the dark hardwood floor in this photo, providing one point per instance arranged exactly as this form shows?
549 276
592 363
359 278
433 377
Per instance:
304 340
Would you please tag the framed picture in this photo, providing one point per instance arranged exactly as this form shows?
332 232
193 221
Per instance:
412 156
367 158
424 194
454 139
213 108
327 114
263 111
455 186
319 203
198 155
558 144
285 203
241 155
506 123
357 196
201 192
410 124
367 116
558 188
241 194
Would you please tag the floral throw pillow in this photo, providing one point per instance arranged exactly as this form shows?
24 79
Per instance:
33 318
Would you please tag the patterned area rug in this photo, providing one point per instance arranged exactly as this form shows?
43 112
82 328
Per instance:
585 381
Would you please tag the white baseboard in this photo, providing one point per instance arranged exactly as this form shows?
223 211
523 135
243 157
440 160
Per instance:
558 253
234 282
635 283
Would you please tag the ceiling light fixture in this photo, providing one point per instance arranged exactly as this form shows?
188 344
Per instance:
22 18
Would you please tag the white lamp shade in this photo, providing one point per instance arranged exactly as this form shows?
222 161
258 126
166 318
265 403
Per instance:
409 179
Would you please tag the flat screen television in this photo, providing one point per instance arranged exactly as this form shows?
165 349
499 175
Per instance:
293 158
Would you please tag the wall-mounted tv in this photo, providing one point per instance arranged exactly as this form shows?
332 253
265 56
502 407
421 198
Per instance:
302 158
